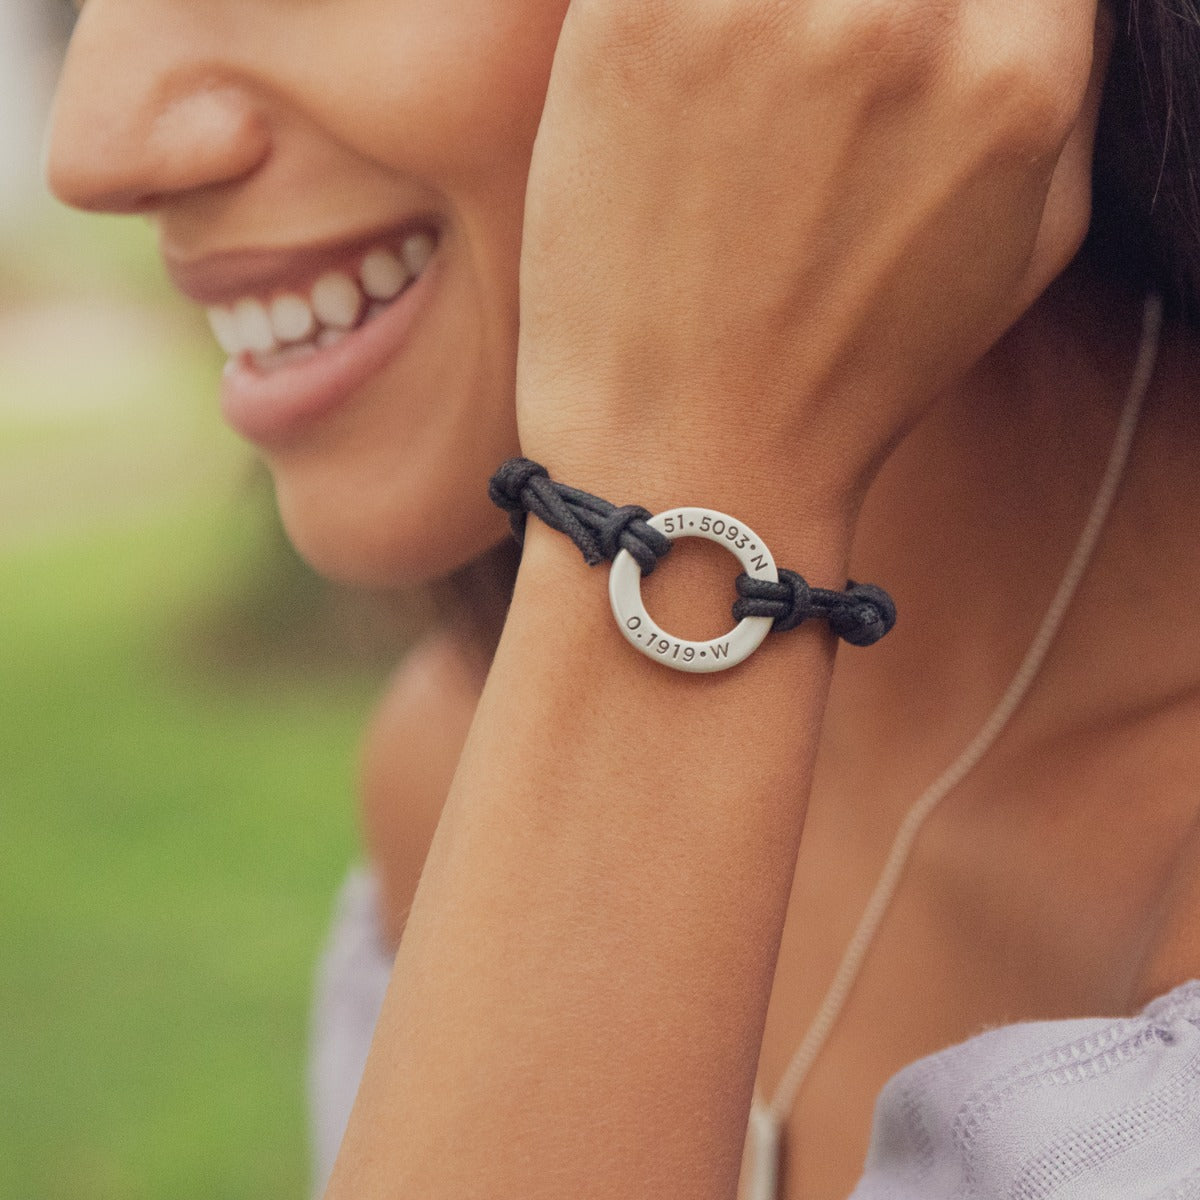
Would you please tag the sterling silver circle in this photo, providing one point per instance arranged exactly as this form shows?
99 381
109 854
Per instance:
639 628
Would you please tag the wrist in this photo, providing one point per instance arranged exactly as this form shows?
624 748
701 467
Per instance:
690 593
804 526
806 521
633 434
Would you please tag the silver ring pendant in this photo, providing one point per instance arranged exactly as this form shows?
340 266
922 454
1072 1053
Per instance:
639 628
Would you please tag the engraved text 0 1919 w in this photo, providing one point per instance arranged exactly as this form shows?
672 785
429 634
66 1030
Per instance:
640 630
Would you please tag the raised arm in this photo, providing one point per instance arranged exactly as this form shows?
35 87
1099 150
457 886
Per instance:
760 238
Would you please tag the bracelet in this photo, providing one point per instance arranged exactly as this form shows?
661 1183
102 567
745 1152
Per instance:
769 598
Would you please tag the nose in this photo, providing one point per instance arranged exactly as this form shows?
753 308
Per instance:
146 113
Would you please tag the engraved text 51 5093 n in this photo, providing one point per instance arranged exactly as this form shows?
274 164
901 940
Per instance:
640 630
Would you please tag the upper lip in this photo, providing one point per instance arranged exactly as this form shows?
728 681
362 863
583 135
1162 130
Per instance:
222 276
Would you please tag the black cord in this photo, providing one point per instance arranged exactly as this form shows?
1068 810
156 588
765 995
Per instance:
860 615
598 528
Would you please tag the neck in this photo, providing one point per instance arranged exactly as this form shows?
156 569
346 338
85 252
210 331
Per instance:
970 525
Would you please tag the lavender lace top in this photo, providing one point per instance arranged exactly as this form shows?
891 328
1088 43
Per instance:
1091 1109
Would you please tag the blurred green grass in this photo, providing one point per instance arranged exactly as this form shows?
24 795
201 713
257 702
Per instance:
172 828
171 849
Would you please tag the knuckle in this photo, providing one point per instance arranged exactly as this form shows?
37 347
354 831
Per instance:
623 27
675 45
911 36
618 46
1031 92
1030 111
753 23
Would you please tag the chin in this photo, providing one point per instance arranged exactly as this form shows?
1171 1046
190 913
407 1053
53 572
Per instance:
385 543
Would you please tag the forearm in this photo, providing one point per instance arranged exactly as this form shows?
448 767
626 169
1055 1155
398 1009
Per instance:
579 997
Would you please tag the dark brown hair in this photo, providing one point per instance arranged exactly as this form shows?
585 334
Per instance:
1146 220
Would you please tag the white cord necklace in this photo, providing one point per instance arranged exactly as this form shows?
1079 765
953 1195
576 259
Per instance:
767 1120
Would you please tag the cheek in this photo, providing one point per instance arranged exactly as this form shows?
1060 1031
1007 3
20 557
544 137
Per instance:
449 95
445 105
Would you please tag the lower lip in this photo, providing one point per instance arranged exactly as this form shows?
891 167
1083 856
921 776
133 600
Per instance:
271 407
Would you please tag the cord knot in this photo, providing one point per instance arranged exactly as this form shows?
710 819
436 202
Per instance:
599 528
625 528
866 613
788 602
860 615
506 489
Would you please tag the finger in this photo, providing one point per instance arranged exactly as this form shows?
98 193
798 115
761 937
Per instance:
1068 208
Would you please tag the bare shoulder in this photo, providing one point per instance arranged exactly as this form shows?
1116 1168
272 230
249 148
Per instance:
433 680
409 755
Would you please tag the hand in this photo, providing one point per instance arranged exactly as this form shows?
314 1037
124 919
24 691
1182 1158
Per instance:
761 237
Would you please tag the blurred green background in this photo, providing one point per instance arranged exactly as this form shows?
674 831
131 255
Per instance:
180 702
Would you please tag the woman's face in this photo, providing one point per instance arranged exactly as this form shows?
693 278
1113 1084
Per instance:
341 182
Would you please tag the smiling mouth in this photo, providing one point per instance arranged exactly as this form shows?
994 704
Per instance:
280 328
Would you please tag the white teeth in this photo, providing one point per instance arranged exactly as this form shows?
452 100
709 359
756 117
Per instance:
337 300
281 358
383 275
225 329
291 318
417 251
292 326
254 326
